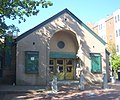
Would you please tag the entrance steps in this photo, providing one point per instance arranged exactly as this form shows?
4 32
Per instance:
66 82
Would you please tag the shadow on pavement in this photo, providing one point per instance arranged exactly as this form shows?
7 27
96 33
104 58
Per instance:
69 92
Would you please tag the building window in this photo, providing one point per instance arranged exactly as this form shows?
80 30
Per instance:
100 26
115 19
110 36
119 32
118 18
116 33
51 66
96 64
61 44
117 48
31 61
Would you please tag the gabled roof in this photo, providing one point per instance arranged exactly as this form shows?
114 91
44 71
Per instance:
56 16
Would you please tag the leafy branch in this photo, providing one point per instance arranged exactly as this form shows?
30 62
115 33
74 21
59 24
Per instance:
19 9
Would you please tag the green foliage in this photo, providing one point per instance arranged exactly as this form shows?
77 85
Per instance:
18 9
115 59
111 48
115 62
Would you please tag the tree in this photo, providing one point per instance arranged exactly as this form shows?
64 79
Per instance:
111 48
115 59
115 62
18 10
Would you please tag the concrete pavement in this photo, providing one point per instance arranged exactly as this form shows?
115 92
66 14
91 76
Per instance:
68 91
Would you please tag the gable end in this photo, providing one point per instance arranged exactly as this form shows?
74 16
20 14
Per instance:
56 16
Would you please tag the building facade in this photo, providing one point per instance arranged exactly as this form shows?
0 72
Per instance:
116 16
60 46
109 30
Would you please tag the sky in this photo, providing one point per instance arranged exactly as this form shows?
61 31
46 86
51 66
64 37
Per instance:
85 10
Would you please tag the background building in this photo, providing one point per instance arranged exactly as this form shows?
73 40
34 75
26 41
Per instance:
108 29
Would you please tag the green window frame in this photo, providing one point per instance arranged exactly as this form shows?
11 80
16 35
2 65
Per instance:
96 64
31 62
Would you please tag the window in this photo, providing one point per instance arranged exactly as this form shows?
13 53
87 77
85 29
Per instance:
31 61
60 69
51 66
69 68
116 33
100 26
119 32
60 62
96 65
51 69
51 62
115 19
61 44
118 18
69 63
110 36
117 48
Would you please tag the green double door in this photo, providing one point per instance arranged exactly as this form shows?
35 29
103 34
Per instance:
62 68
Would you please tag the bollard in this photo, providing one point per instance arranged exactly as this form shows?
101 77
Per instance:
54 85
112 79
105 83
82 87
114 75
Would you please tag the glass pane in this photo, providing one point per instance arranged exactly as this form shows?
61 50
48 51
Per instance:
61 44
60 62
51 62
60 69
31 61
51 68
69 62
69 68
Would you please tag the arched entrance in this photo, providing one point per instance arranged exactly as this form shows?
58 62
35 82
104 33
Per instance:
63 50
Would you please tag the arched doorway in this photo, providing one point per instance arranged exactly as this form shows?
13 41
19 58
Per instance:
63 50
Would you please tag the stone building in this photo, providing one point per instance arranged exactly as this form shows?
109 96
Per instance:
59 46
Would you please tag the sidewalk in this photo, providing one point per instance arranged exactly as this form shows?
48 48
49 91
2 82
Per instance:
20 89
68 91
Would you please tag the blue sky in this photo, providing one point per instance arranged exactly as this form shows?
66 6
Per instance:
85 10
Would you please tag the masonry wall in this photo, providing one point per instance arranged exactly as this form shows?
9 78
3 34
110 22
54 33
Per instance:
70 41
92 45
110 33
32 42
41 39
